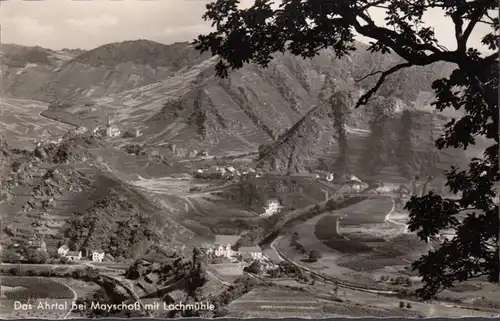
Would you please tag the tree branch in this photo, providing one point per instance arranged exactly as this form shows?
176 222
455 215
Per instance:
475 17
366 97
372 73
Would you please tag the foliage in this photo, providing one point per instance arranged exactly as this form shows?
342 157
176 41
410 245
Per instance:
314 255
36 256
93 229
240 287
254 268
9 255
306 27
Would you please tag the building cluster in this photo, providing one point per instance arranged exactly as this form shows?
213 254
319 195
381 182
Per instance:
97 256
109 130
223 247
272 207
226 172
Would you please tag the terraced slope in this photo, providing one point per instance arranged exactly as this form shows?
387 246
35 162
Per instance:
61 193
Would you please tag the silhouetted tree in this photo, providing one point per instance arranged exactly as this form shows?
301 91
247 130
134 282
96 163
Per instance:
305 27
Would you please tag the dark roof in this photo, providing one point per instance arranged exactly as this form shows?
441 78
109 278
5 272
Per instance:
226 239
249 249
73 253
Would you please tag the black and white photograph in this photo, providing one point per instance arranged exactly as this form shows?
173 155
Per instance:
249 159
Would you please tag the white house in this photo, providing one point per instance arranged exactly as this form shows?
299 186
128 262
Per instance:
254 252
63 250
271 207
98 256
74 255
222 246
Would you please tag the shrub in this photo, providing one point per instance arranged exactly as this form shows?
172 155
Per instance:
401 304
314 255
408 305
254 268
15 271
30 273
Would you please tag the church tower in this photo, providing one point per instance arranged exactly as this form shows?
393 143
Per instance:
108 127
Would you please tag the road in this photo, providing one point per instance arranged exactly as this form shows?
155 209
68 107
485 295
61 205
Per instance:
126 284
73 301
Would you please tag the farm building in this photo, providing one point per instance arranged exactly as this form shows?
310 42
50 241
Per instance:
251 252
74 255
63 250
271 207
98 256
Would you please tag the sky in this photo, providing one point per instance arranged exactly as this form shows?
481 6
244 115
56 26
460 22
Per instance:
58 24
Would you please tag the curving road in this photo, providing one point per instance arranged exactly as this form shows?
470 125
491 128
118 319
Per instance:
73 301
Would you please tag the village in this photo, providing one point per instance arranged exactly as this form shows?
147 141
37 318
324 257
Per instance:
35 251
223 250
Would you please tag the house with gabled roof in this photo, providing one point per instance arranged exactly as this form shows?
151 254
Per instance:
74 255
250 252
63 250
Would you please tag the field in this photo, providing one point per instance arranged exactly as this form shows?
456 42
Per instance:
294 192
43 297
359 249
227 271
362 231
39 268
21 123
266 303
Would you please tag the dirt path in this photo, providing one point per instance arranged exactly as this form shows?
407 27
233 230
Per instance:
73 301
387 218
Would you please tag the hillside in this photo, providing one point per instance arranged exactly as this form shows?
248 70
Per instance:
383 139
192 108
117 67
26 69
170 94
62 193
